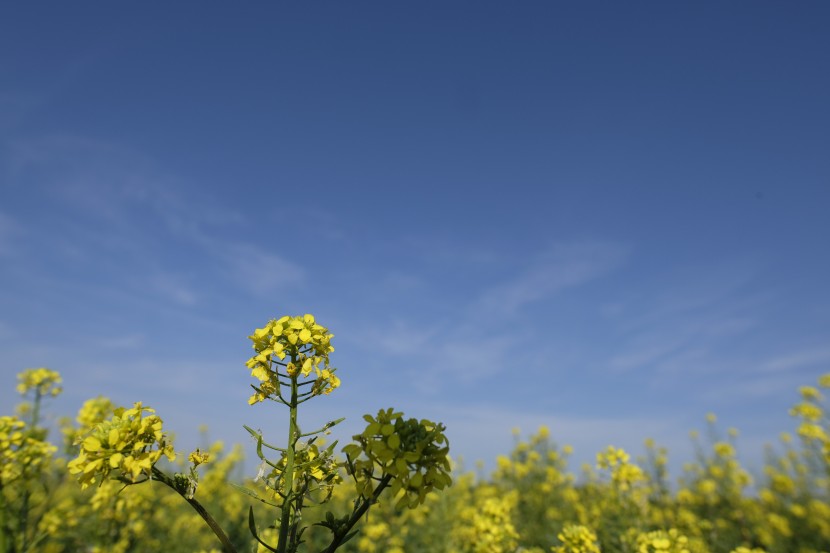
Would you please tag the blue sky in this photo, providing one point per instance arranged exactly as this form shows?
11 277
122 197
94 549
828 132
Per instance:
610 218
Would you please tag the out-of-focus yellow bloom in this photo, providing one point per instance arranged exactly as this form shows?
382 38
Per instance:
812 431
723 449
22 455
810 393
623 473
42 381
576 538
807 411
94 411
659 541
486 526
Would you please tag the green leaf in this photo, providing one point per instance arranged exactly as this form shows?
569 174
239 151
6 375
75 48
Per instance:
252 528
253 494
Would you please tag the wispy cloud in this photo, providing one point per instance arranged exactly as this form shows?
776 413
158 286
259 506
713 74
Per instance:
680 325
256 269
107 199
128 341
401 338
476 341
807 358
563 266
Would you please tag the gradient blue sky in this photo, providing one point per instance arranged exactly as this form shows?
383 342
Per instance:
606 217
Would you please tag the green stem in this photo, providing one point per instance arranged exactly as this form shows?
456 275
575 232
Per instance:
361 509
24 505
4 546
285 515
227 546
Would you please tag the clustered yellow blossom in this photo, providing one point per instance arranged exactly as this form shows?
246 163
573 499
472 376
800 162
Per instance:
197 457
486 526
576 538
813 428
412 452
91 413
624 474
42 381
21 453
287 348
128 443
377 537
659 541
94 411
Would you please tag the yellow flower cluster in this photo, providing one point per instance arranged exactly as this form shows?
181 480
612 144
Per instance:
659 541
289 347
412 452
624 474
197 457
486 527
21 454
576 538
812 414
94 411
91 413
42 381
128 443
376 536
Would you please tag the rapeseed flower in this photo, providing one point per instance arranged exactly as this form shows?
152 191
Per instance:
128 444
288 348
576 538
42 381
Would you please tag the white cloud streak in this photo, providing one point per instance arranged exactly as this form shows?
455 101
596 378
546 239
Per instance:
563 266
140 205
812 357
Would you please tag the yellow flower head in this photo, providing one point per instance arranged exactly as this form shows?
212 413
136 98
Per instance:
22 455
576 538
94 411
288 348
42 381
129 444
659 541
198 458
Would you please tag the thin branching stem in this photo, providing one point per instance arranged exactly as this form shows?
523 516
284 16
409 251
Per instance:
227 546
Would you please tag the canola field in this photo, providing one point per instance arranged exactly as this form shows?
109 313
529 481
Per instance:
532 502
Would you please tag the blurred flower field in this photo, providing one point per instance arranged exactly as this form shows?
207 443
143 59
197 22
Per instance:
532 502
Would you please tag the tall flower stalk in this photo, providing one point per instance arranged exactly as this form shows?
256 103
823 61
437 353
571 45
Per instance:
291 366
